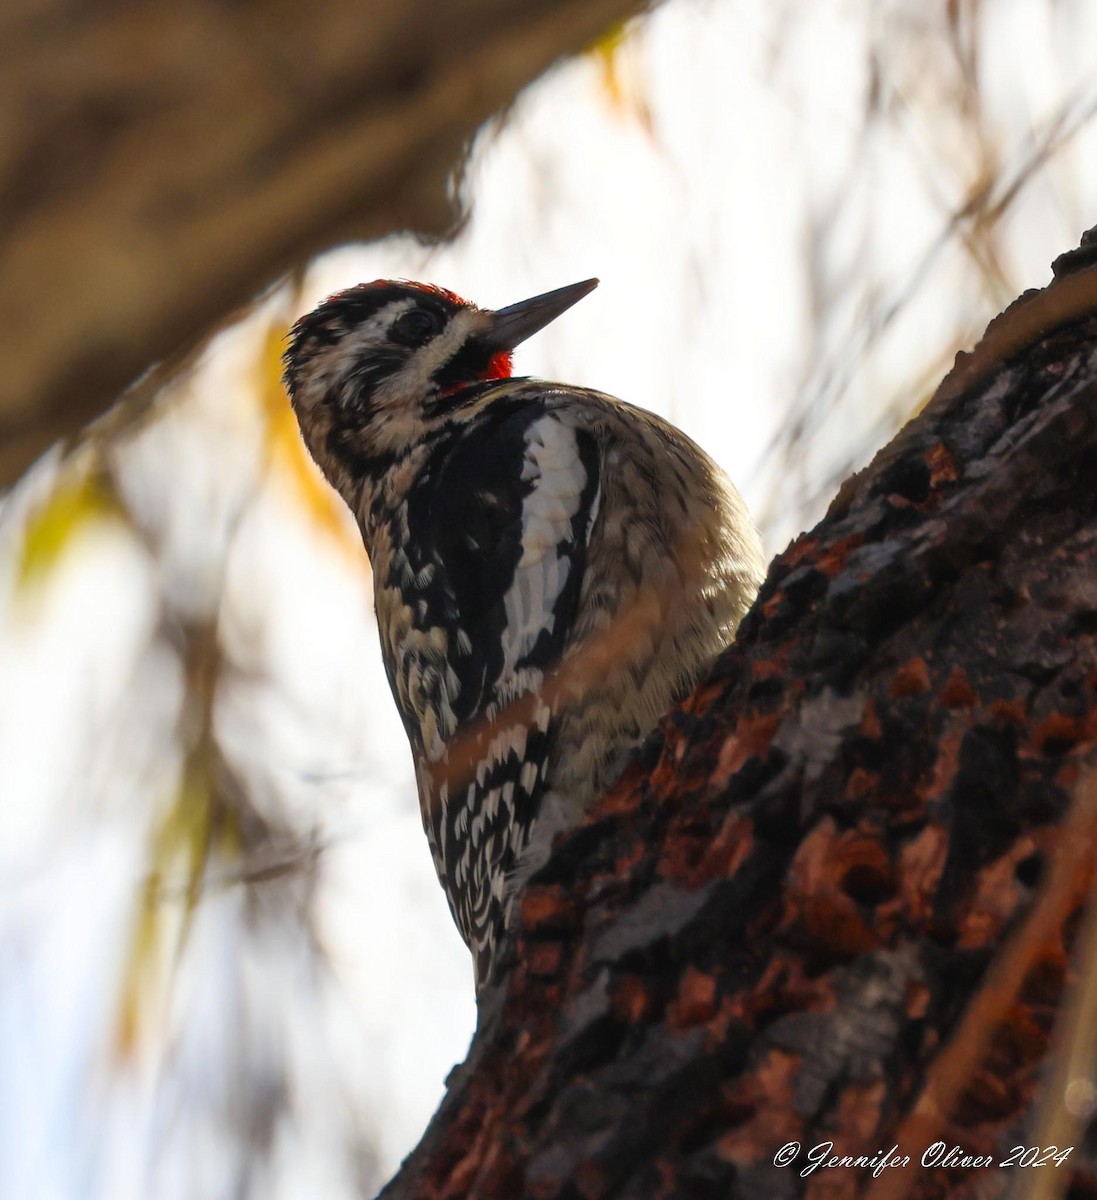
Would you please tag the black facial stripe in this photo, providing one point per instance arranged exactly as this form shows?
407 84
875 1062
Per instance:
457 398
466 365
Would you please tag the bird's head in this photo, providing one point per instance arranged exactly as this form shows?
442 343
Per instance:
372 369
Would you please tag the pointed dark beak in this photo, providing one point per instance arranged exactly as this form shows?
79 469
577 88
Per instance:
516 322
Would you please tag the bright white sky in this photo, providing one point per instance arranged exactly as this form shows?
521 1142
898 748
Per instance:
697 222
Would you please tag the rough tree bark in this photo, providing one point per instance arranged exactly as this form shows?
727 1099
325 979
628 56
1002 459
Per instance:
834 901
161 163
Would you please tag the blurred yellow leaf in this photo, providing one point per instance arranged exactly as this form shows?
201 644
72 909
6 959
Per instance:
141 974
287 451
73 504
621 76
199 825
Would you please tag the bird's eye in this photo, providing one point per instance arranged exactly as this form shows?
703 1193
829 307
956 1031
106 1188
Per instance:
415 327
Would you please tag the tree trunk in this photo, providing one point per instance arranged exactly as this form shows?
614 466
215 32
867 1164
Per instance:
835 900
161 164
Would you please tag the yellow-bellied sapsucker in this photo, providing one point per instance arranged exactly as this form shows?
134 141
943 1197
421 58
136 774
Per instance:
552 568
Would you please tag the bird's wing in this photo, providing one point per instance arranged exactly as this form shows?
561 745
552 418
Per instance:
511 506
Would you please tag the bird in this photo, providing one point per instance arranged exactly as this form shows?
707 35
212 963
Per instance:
553 568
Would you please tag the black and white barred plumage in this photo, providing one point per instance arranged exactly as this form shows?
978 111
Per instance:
552 567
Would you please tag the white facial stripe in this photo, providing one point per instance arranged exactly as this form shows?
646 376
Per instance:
380 321
415 377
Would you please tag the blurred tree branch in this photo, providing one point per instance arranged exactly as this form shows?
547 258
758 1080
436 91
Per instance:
837 900
161 164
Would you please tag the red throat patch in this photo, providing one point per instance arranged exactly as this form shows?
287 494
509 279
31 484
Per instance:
500 366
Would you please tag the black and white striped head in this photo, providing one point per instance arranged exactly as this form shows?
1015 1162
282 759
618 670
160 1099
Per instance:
373 368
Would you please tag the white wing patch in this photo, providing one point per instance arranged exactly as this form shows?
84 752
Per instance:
553 465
